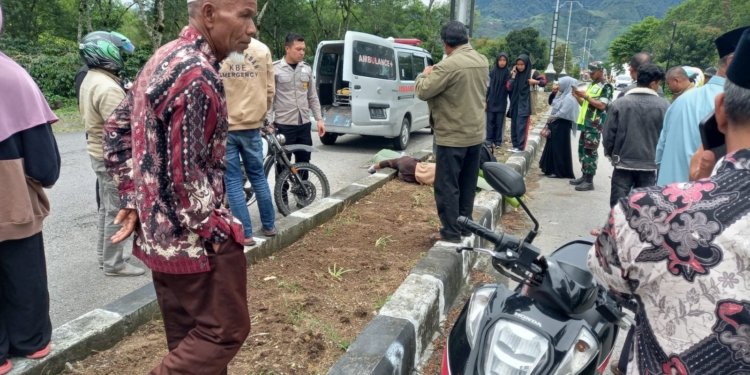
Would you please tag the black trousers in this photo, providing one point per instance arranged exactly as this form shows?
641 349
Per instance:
297 135
519 130
456 173
495 127
623 181
25 326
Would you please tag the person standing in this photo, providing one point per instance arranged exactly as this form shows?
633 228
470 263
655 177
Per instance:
681 252
632 131
593 113
249 84
636 61
497 101
29 162
557 160
523 79
680 136
165 149
455 90
100 93
678 81
296 97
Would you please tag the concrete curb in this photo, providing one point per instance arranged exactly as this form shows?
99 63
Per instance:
102 328
397 340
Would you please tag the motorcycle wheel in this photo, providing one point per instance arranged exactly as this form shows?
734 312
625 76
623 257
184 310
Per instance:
299 189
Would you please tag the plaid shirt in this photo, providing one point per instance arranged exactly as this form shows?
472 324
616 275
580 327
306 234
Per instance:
165 146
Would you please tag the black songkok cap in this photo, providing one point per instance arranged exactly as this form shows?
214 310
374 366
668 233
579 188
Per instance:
727 42
738 72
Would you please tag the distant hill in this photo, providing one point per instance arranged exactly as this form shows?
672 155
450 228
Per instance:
608 18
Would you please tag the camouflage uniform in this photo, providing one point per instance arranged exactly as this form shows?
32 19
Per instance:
590 123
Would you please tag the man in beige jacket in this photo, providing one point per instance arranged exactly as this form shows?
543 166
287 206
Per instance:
455 92
100 93
249 86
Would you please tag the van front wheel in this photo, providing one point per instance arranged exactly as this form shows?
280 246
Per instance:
329 138
402 140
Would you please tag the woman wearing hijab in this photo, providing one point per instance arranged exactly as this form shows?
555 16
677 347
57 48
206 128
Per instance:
497 100
557 160
29 161
522 80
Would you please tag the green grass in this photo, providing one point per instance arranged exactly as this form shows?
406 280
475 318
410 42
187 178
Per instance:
70 120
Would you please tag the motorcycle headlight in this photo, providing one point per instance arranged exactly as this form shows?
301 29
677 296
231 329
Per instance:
281 138
513 349
478 303
580 355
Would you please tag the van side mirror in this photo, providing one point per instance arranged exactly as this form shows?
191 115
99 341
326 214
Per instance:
504 179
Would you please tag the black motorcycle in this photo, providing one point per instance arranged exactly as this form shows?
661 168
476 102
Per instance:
557 321
297 185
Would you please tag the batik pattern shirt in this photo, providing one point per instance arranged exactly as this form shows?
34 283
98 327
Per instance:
683 252
165 146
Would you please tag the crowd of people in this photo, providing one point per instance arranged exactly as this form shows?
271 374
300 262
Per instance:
167 148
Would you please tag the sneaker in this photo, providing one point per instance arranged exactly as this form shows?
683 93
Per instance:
127 270
249 241
6 367
41 353
372 169
268 232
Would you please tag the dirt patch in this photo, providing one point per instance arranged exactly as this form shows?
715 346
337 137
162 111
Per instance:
309 301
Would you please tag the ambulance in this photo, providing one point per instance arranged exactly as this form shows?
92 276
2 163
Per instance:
366 86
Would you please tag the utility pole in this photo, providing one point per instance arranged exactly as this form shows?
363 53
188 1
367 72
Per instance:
550 72
463 11
585 40
567 36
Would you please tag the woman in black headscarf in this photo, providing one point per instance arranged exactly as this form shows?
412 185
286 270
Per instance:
523 79
497 100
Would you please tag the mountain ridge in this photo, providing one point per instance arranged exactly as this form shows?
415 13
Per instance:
607 18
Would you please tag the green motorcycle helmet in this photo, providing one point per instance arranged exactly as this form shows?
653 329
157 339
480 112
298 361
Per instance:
105 50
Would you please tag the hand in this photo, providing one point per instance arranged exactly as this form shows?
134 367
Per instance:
427 70
128 218
321 128
702 164
532 81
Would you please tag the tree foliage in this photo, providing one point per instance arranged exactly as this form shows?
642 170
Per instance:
696 24
528 41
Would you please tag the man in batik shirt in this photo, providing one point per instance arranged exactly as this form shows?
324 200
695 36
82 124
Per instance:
592 115
681 252
165 148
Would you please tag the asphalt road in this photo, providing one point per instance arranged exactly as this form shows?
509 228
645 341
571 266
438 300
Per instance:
77 285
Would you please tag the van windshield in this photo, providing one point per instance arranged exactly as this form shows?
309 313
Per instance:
374 61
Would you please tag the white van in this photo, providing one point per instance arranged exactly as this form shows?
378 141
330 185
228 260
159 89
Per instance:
366 86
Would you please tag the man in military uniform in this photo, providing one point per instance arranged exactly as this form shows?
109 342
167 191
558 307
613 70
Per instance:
593 113
296 97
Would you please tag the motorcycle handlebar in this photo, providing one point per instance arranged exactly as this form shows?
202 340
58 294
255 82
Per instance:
501 240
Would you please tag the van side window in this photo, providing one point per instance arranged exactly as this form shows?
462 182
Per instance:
372 60
430 62
418 64
405 66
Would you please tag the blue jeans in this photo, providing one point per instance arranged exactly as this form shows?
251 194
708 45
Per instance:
248 145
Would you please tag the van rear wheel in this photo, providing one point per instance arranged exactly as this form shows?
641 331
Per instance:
402 140
329 138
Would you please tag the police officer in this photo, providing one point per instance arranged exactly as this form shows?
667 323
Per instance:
296 97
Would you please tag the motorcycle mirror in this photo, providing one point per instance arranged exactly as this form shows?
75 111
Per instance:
504 179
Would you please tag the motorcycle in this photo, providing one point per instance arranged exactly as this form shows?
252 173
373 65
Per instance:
557 321
297 185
